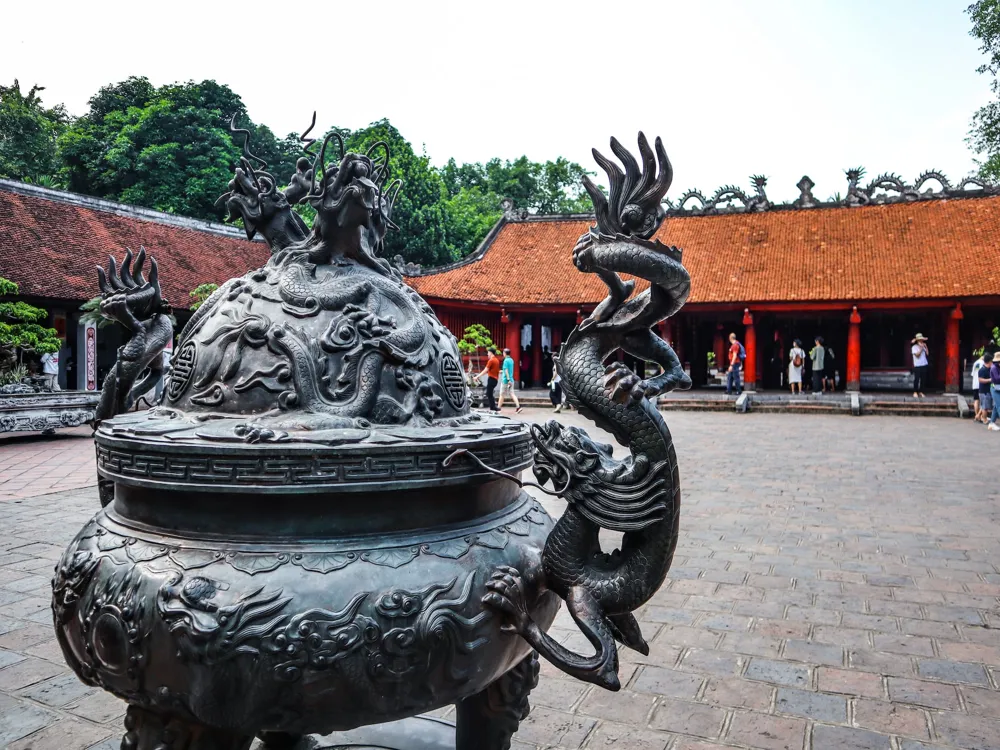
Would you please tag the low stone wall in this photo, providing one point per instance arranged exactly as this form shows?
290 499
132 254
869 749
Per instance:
46 412
886 380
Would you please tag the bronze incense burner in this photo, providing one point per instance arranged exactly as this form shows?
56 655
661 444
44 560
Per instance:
312 531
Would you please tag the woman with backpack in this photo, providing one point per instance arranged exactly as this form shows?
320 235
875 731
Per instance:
796 360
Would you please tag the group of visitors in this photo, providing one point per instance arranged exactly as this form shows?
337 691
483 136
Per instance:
502 373
821 363
986 372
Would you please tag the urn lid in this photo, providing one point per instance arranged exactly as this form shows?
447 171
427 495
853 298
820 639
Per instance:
321 369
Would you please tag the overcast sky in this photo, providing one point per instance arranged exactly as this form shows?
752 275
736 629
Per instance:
734 88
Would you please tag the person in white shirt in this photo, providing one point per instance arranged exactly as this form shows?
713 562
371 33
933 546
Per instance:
50 369
920 366
796 360
976 410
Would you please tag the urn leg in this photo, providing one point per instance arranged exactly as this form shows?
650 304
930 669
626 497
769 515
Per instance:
145 730
488 719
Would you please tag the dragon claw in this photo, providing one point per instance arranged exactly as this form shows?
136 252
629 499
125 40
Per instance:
505 593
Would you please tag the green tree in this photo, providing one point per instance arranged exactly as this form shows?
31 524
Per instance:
28 133
201 293
540 187
20 329
474 339
167 148
984 133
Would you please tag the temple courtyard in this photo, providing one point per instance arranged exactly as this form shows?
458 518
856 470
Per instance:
836 586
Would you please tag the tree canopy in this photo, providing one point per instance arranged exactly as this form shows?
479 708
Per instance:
984 134
20 329
170 148
28 133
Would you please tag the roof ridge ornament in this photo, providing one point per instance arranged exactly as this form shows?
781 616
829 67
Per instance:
887 188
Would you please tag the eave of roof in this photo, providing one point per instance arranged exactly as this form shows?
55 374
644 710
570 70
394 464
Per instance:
941 248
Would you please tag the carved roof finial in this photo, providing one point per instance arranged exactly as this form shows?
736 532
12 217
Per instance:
805 199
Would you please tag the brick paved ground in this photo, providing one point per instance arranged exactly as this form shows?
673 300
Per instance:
834 587
34 464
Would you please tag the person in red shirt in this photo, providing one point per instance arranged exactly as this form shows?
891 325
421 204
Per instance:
733 381
492 373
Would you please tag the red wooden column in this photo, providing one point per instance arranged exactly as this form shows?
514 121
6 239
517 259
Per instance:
750 342
536 354
556 338
854 352
952 379
513 341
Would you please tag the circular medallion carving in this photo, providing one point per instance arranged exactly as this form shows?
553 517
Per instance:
110 643
182 369
453 381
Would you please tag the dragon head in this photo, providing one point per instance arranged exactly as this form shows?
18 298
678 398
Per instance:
567 455
357 192
628 495
253 196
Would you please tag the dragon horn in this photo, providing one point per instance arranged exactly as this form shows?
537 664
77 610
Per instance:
137 268
615 178
154 275
126 272
631 173
113 279
663 180
600 207
648 166
102 281
305 139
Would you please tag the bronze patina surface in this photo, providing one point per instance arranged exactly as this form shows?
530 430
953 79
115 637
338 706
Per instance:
312 531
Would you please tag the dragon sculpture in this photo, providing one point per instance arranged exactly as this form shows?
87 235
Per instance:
640 495
137 303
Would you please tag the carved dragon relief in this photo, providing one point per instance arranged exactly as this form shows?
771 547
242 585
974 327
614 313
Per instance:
325 336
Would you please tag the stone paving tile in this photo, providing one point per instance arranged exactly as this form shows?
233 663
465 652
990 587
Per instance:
765 732
811 705
846 738
851 603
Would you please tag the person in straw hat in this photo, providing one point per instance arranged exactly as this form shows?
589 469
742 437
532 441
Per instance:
920 366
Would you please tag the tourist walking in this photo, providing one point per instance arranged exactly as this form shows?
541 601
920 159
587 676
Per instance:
796 361
977 411
920 366
556 391
736 356
817 356
507 381
50 370
492 373
829 370
983 382
995 392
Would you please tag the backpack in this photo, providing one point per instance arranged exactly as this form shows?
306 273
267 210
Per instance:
797 362
743 352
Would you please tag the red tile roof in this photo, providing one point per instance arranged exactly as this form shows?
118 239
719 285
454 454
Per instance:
50 243
919 250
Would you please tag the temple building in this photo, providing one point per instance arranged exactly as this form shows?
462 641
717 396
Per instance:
866 273
51 242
